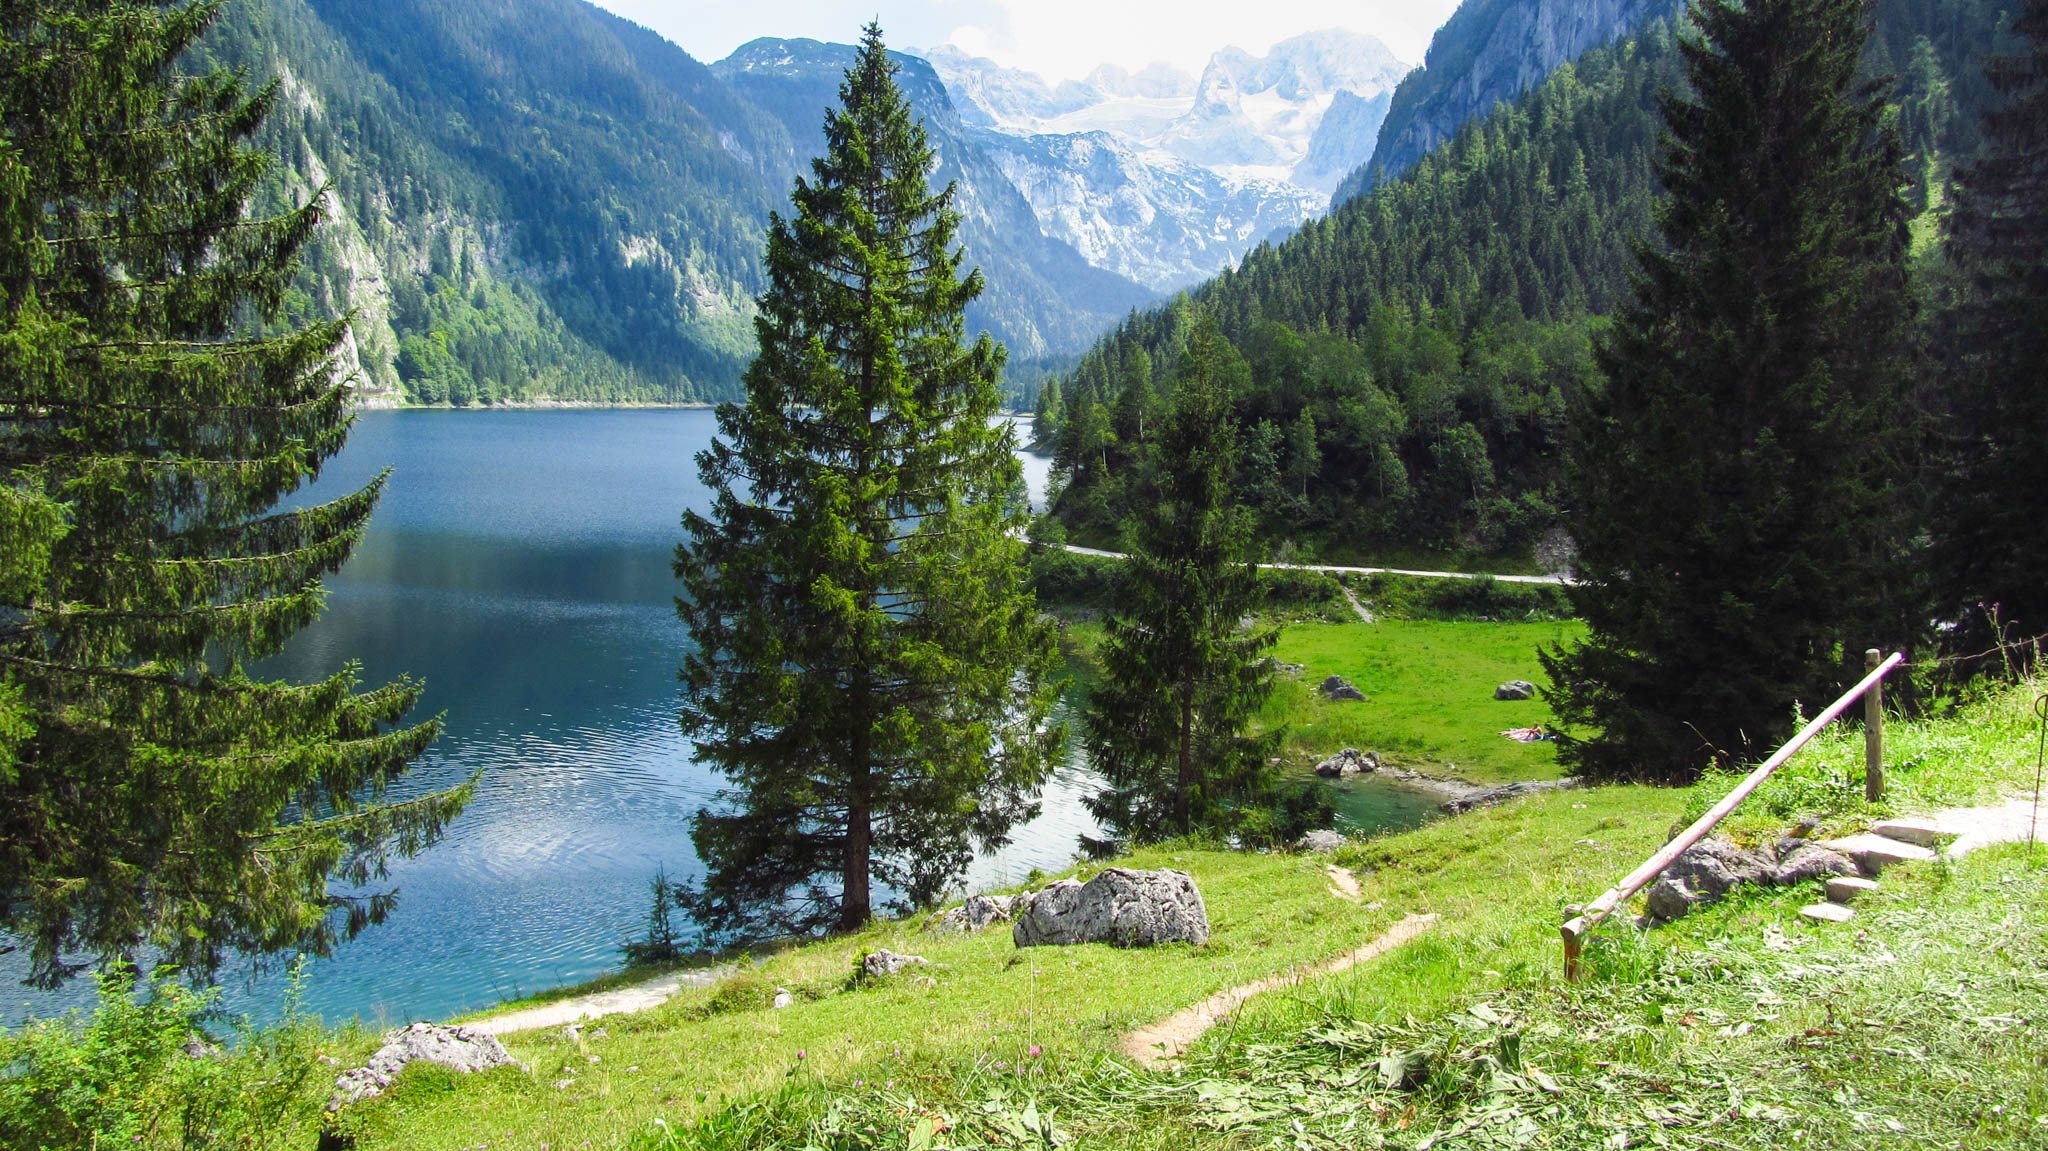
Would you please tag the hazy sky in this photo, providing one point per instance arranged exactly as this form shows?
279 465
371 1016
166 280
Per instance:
1057 38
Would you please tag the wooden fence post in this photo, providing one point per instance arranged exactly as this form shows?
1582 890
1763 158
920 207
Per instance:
1873 733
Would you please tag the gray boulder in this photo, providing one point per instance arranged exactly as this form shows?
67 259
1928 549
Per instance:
1713 867
876 964
1811 861
1319 841
1337 687
1350 761
976 914
1119 906
457 1047
1515 689
1670 898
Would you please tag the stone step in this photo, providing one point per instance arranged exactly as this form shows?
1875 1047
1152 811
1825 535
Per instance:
1913 830
1827 913
1874 853
1846 888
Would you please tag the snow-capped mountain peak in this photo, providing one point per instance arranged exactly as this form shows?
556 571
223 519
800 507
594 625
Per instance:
1166 178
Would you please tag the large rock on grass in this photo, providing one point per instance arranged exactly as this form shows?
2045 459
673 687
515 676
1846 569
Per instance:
1515 689
1320 841
1337 687
457 1047
1810 861
1119 906
1712 868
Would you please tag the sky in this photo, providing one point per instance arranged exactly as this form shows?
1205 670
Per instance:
1059 39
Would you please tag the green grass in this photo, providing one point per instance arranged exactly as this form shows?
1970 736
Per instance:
1740 1026
981 1002
1429 694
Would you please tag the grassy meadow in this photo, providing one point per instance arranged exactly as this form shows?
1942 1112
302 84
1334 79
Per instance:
1741 1026
1429 700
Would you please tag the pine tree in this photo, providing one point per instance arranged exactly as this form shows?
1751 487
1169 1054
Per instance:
869 673
153 793
1994 530
1736 484
1182 674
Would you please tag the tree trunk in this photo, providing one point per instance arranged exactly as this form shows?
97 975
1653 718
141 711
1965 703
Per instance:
855 902
1185 773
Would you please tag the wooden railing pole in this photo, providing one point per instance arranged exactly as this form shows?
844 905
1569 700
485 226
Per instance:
1873 732
1589 916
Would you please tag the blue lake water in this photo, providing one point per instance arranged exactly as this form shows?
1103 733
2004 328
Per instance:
520 563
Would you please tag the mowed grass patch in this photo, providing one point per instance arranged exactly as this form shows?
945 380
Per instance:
1429 694
979 1003
1496 879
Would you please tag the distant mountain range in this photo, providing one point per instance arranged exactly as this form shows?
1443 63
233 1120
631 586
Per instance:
1168 178
537 199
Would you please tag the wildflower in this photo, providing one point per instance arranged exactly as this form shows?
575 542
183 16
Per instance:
1036 1051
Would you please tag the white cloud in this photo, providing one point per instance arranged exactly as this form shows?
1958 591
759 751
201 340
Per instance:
1058 38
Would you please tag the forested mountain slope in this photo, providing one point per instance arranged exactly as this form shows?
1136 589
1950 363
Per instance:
1409 357
537 199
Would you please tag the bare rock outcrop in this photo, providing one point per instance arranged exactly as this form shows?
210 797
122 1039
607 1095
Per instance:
1321 841
1336 687
1712 868
1119 906
461 1048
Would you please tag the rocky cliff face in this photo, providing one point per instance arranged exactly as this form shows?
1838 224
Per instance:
1489 51
1343 141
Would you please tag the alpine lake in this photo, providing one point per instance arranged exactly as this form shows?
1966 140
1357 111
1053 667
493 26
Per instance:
520 564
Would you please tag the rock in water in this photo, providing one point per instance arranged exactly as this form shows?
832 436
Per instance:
1119 906
1337 687
457 1047
1515 689
977 913
885 962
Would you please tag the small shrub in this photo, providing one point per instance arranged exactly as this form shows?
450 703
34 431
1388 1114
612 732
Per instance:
740 991
139 1072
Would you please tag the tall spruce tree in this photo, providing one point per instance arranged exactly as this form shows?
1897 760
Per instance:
1994 530
869 672
152 793
1737 484
1182 674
